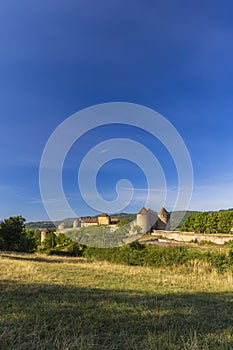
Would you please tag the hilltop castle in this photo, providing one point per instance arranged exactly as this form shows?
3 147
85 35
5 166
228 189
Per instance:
147 219
102 219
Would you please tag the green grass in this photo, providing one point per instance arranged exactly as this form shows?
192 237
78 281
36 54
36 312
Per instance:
69 303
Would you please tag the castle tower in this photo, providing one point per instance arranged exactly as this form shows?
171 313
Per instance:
143 220
103 219
61 226
164 220
43 234
76 223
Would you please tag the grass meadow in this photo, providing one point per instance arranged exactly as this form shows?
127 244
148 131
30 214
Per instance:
63 303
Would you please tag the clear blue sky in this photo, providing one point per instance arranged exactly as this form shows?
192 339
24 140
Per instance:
57 57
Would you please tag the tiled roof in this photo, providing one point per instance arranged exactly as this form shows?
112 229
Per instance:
90 220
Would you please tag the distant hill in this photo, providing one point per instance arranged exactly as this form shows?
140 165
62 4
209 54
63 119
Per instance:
226 209
39 224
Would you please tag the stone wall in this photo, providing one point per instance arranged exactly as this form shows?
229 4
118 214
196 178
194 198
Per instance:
187 237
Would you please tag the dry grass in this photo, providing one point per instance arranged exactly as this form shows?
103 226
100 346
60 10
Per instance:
69 303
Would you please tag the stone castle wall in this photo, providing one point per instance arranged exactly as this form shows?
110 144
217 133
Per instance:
187 237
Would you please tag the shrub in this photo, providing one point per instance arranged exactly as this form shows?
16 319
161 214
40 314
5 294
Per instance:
156 256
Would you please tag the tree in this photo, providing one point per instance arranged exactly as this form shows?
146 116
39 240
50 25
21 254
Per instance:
212 222
122 222
225 222
215 222
188 224
12 233
200 222
62 240
137 229
28 241
49 242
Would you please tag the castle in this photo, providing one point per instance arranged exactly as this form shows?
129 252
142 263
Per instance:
102 219
147 220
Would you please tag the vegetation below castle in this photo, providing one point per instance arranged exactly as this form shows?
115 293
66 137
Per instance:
137 254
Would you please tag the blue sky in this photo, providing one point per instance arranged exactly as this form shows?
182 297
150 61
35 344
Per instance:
58 57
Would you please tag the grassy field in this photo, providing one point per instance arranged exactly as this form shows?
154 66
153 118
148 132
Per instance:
69 303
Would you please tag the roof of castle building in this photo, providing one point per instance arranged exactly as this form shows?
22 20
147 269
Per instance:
104 215
163 211
90 220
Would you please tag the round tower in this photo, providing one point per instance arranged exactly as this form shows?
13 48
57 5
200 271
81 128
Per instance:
143 220
61 226
76 223
43 234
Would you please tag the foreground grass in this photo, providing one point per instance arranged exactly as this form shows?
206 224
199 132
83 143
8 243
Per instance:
69 303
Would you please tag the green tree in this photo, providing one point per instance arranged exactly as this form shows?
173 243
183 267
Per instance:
200 222
212 222
28 242
122 222
225 222
62 240
49 242
188 225
137 229
12 233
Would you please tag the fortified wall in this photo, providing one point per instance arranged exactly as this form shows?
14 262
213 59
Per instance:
187 237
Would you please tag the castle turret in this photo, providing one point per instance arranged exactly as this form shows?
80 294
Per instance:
76 223
144 219
61 226
164 220
43 234
103 219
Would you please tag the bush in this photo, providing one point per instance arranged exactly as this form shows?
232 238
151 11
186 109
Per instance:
156 256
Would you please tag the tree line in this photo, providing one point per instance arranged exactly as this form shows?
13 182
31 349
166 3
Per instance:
209 222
